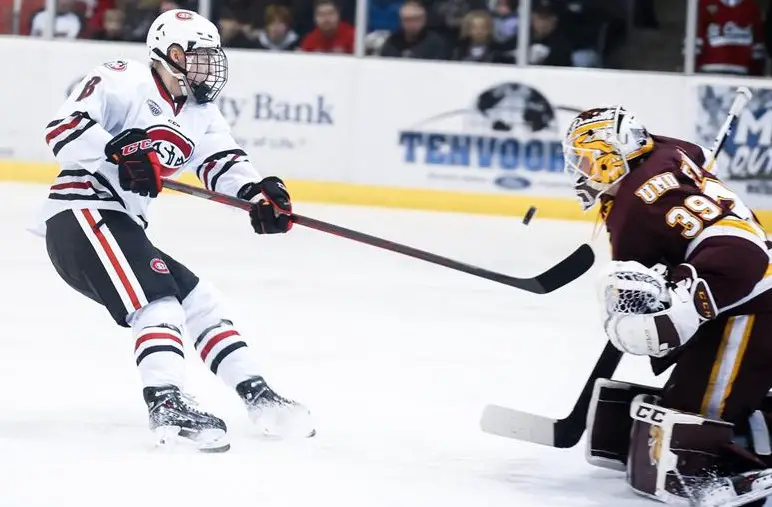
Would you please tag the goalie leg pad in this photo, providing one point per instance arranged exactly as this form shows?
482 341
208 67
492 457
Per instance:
609 423
672 453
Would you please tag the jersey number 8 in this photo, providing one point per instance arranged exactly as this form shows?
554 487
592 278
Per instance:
88 89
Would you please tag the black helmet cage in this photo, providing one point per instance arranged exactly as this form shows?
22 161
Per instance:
206 71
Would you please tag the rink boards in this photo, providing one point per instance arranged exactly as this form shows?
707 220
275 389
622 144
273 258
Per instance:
419 135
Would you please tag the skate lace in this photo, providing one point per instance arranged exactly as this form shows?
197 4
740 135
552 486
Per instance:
184 401
191 403
262 393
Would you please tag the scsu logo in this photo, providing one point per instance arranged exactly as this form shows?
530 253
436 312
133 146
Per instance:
116 65
172 147
159 266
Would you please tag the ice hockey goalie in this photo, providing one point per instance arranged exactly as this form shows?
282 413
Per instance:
689 286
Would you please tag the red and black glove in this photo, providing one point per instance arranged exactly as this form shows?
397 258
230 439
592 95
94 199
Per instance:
138 167
271 206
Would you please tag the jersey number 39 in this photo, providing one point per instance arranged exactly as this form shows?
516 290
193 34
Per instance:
698 209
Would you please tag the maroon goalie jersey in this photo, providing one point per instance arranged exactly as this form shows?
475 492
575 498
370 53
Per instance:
671 210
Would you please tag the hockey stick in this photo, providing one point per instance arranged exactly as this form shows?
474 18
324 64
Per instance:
564 272
741 100
539 429
567 432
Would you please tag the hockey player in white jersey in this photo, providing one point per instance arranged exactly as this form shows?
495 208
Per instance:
124 128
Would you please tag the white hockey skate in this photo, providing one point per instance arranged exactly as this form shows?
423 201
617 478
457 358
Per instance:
741 489
273 414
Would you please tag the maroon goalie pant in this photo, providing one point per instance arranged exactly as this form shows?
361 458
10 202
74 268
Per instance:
725 371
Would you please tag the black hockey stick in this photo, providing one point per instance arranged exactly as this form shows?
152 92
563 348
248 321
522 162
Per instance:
567 432
563 433
564 272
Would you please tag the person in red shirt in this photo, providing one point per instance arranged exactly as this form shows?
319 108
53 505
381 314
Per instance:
331 35
730 37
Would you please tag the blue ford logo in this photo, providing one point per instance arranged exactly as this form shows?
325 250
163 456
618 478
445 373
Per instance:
512 182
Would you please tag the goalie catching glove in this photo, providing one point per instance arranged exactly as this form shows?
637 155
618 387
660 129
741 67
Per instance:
646 315
271 211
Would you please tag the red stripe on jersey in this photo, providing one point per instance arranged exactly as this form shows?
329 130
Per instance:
61 128
75 184
156 336
205 174
215 340
113 259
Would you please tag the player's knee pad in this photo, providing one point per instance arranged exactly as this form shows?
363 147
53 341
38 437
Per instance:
163 311
609 423
203 308
672 453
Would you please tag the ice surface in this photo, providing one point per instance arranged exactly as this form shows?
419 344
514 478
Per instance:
395 357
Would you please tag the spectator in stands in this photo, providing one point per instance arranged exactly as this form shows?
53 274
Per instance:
331 35
477 44
446 15
277 35
506 20
730 38
67 24
112 26
413 39
549 44
145 14
95 14
232 31
584 22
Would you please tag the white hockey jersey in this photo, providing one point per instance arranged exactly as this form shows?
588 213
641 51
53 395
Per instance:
119 95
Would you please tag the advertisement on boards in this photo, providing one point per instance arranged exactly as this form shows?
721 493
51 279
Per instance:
488 129
508 134
746 159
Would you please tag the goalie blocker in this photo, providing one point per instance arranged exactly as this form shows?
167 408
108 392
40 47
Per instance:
674 456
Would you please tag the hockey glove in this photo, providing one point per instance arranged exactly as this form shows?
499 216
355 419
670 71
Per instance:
139 170
646 315
271 206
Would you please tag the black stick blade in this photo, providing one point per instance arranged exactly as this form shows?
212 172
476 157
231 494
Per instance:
539 429
568 270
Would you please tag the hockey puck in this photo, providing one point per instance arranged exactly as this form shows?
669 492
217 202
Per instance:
529 215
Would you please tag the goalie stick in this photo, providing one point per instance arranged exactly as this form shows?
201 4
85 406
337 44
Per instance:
563 433
564 272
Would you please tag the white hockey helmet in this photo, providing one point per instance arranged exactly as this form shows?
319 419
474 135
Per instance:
598 147
206 67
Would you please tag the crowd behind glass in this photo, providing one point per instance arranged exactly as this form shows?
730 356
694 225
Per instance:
729 36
